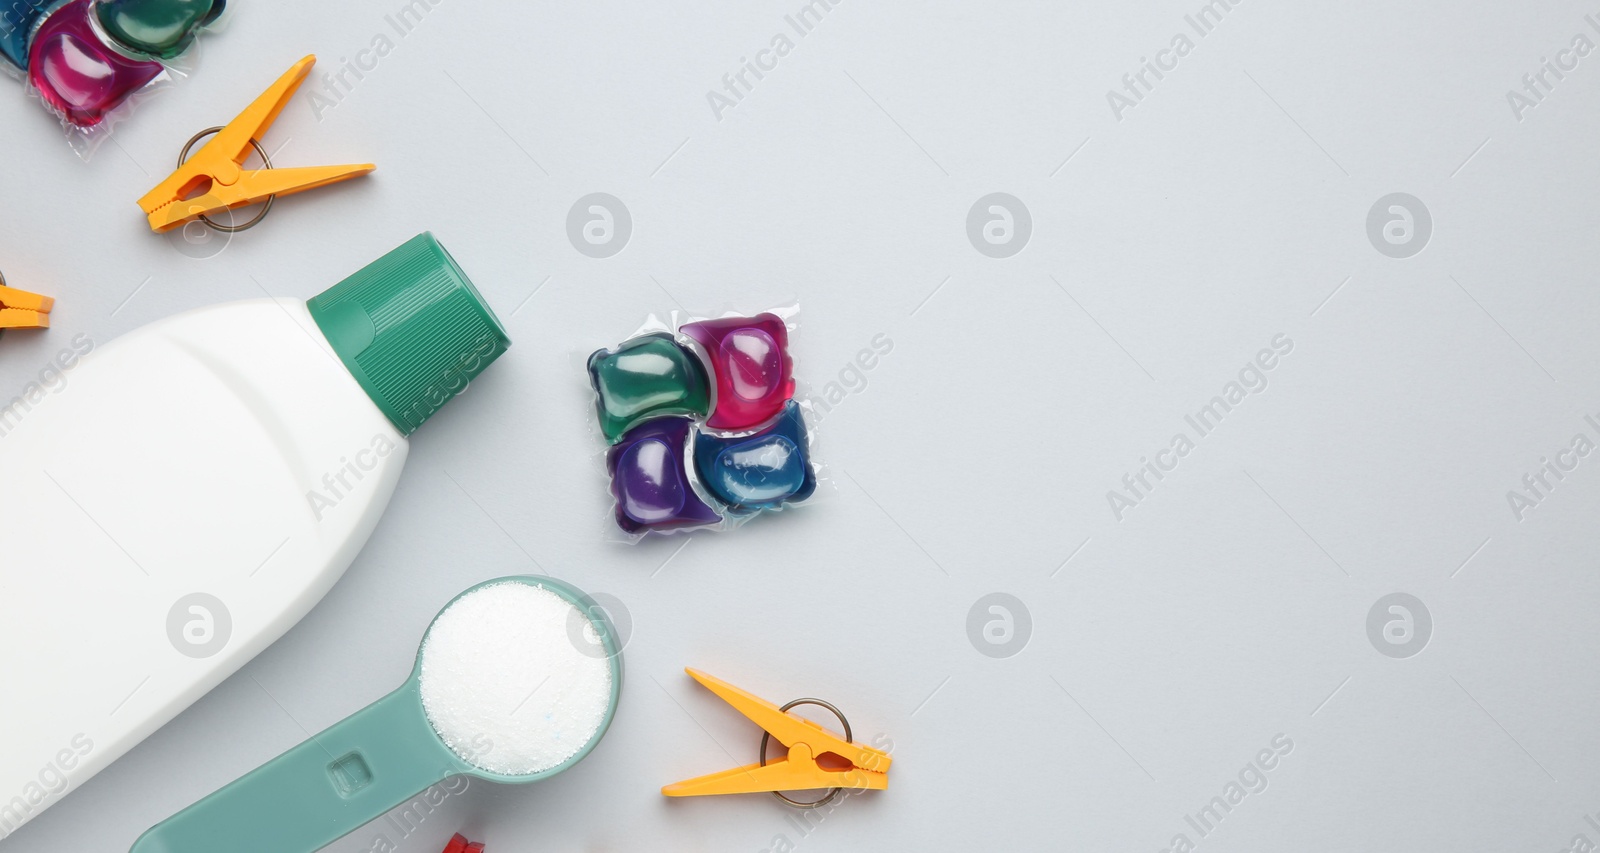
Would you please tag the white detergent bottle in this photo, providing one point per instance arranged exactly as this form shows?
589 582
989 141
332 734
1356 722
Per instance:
194 488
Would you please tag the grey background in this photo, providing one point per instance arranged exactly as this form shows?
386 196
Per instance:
1168 648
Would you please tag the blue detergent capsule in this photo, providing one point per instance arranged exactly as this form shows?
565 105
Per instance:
18 19
765 470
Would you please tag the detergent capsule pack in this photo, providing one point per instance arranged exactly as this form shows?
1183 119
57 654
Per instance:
90 62
701 424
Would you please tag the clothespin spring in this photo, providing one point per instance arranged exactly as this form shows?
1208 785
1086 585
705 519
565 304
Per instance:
766 738
266 162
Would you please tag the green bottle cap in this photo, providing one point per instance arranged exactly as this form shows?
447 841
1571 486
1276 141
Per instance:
411 328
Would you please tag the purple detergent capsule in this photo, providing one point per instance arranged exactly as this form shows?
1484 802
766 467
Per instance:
750 362
650 480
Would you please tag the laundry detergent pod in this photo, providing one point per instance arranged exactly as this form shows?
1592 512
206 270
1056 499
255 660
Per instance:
646 377
159 29
79 76
17 20
650 479
749 358
764 470
702 427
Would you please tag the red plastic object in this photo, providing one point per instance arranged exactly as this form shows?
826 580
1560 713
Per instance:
76 73
459 844
751 368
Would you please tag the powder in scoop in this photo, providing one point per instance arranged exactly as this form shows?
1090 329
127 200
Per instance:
505 682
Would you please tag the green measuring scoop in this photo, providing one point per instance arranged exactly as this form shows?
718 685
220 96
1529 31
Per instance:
360 768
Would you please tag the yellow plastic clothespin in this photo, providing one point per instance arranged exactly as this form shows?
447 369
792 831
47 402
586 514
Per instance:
216 177
817 757
20 309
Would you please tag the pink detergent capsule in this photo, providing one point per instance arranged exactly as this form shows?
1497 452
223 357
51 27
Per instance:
76 73
750 361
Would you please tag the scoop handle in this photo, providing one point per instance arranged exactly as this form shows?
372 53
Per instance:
319 791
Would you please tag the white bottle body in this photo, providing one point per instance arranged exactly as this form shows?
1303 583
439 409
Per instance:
178 500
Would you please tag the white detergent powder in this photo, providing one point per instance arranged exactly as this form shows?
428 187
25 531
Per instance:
505 684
